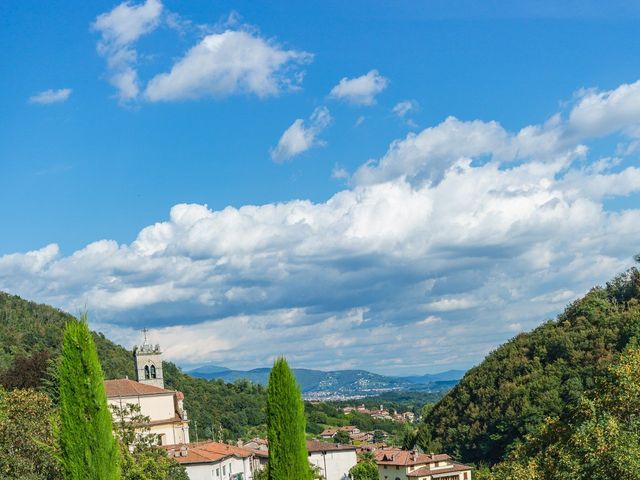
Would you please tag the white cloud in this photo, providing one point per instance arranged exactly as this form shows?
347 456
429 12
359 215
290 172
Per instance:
600 113
439 251
119 30
360 90
299 138
51 96
229 63
402 108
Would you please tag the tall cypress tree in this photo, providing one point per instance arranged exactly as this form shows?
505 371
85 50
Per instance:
286 426
88 447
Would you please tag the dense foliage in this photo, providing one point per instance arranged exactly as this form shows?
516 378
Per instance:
27 423
141 458
364 471
599 438
88 448
537 375
221 411
286 426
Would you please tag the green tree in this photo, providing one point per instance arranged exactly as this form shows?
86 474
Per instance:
88 447
141 458
27 441
364 470
26 372
342 437
286 426
378 436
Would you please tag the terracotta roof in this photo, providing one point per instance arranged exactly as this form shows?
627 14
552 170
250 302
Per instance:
123 387
207 452
395 456
314 446
423 471
329 432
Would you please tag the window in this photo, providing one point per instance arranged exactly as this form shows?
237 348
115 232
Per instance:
146 372
153 371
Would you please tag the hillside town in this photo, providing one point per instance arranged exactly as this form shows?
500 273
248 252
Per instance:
207 460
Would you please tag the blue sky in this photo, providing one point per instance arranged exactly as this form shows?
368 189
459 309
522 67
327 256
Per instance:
429 177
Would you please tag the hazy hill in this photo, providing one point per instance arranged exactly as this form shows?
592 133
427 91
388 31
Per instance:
538 374
338 382
447 376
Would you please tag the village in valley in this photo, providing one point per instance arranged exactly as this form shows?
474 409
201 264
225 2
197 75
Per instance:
333 453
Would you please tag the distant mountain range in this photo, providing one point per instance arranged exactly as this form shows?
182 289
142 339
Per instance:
338 383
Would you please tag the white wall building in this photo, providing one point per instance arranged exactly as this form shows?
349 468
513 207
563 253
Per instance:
165 408
215 461
334 460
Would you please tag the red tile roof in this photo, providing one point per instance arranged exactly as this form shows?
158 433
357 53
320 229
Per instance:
206 452
453 468
395 456
314 446
123 387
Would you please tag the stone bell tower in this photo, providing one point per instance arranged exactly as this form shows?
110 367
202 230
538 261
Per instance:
148 360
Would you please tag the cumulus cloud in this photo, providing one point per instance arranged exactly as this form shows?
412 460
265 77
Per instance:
227 63
360 90
299 138
119 30
51 96
440 250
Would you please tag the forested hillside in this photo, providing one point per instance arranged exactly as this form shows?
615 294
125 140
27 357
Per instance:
31 333
27 328
539 374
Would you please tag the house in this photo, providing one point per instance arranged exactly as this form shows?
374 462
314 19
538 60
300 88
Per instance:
258 444
165 408
363 437
333 460
396 464
215 461
330 432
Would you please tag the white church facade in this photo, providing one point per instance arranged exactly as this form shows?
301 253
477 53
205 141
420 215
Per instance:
165 409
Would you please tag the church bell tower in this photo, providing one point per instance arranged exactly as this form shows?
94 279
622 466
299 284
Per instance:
148 360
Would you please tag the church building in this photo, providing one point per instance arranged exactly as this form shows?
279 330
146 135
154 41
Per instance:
165 409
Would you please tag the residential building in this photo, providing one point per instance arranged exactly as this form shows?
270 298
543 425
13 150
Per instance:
333 460
215 461
396 464
330 432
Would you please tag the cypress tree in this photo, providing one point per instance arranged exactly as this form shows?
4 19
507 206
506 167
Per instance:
286 426
88 447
